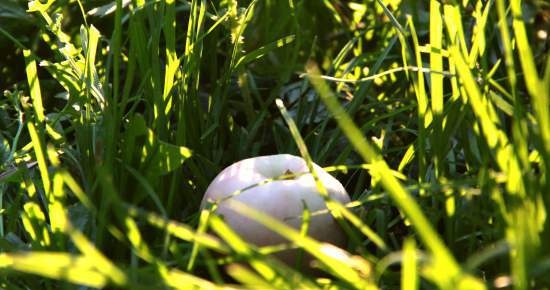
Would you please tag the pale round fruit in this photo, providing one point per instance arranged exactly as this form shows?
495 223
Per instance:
282 199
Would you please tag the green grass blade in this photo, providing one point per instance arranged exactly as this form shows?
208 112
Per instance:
337 260
336 209
424 114
409 275
436 82
40 154
179 230
267 269
263 50
180 280
55 265
479 38
98 259
34 223
247 277
441 255
455 29
34 85
540 98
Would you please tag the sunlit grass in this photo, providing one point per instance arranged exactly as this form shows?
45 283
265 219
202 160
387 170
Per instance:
435 115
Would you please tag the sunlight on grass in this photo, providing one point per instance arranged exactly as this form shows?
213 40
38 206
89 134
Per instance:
115 117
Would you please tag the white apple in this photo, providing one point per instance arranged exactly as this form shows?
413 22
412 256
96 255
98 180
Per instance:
282 199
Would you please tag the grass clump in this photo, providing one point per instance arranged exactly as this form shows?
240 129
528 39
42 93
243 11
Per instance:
115 117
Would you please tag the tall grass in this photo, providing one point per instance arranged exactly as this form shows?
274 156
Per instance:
116 116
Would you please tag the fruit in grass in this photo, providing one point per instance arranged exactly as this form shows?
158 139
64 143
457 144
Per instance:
282 199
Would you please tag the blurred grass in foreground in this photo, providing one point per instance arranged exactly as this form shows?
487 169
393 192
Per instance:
116 115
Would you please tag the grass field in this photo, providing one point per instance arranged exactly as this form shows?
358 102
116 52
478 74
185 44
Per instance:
116 115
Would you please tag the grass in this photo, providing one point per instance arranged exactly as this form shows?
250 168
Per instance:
435 116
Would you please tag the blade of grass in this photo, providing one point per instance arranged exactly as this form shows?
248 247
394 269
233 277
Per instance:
34 223
455 29
336 209
40 154
247 277
522 233
479 38
55 265
436 84
172 61
409 275
181 280
267 269
442 257
337 260
178 230
540 96
424 114
98 259
263 50
34 85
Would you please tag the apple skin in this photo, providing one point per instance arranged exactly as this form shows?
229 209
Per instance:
282 199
